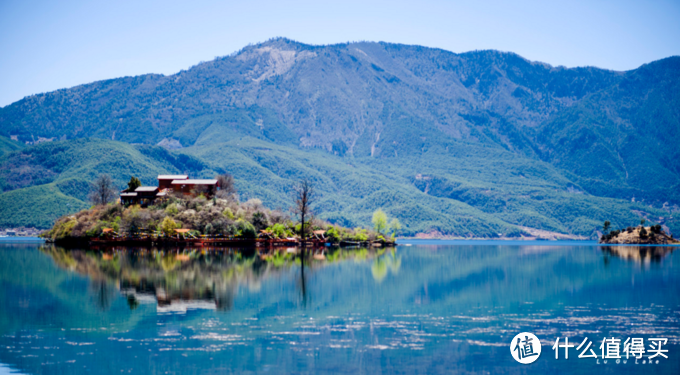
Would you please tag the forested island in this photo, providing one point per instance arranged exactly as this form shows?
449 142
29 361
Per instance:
183 211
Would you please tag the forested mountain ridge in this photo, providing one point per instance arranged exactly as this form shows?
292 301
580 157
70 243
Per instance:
468 124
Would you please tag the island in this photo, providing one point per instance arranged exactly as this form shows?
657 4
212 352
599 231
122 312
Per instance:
180 211
640 235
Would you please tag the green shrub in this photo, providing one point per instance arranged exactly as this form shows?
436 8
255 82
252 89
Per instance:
246 230
360 235
279 230
228 213
168 226
332 235
172 209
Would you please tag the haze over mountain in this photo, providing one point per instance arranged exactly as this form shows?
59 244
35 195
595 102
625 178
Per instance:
483 143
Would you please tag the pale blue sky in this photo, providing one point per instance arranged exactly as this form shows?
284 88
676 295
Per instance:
47 45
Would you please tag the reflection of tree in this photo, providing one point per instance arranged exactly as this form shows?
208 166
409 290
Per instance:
302 282
196 278
132 302
640 254
384 262
103 293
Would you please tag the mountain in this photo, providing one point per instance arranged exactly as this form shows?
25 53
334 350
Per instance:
480 143
9 145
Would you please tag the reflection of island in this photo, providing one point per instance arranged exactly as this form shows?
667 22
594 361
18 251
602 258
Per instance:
181 279
640 254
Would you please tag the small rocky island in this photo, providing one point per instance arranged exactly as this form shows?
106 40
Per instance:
640 235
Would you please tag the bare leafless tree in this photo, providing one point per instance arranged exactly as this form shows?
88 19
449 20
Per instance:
227 189
303 197
102 190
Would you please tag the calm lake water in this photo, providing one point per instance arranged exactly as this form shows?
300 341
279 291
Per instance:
431 307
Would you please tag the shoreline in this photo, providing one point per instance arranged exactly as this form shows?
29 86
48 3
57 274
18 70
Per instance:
443 241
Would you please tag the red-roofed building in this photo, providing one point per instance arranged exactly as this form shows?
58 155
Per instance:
147 195
189 186
165 180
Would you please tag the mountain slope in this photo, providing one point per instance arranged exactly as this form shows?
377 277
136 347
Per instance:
624 141
466 196
486 132
8 145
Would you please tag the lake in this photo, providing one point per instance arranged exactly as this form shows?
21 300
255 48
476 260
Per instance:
423 307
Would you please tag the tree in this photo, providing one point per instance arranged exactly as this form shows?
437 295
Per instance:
643 232
607 226
168 226
260 220
246 229
134 184
303 198
225 184
642 222
102 190
379 221
395 226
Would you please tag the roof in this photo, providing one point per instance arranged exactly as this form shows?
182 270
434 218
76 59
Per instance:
146 188
172 177
319 231
195 182
162 194
128 194
182 230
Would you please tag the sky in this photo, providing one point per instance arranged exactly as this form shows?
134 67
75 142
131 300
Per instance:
48 45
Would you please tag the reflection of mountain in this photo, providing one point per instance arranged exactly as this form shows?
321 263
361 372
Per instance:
177 280
640 254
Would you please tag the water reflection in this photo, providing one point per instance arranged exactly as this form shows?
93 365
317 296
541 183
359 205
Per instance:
420 309
639 254
176 280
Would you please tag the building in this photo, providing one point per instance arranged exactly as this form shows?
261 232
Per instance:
192 187
127 198
165 180
146 195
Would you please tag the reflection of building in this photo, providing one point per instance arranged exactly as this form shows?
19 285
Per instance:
146 195
641 254
165 301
